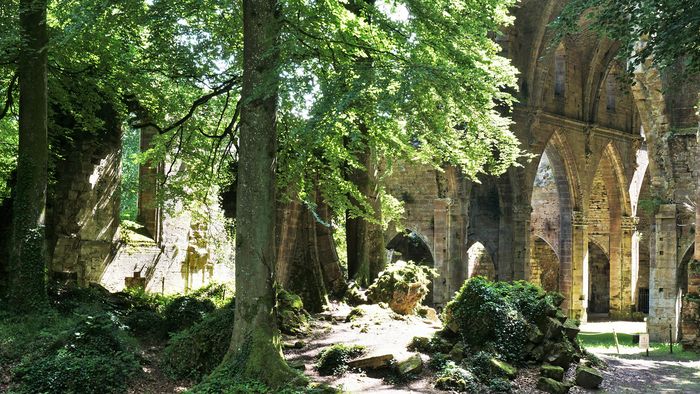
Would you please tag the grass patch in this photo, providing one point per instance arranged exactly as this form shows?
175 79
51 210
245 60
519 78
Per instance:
604 343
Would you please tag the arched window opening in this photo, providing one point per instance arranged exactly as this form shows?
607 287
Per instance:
131 146
409 246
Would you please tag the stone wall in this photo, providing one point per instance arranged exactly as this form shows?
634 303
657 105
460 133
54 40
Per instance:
177 253
83 205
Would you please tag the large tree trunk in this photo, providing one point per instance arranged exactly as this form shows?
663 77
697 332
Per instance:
327 251
255 350
307 262
27 290
365 239
299 267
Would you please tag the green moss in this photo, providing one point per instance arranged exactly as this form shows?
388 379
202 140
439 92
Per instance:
291 316
257 360
402 277
354 314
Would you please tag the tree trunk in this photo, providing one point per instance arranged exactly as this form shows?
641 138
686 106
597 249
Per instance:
27 289
365 240
255 350
307 261
299 264
327 252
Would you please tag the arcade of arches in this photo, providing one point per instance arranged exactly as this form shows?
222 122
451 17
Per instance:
604 211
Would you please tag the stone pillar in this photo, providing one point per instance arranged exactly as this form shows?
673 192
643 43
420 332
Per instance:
441 248
663 284
625 300
578 297
149 213
521 241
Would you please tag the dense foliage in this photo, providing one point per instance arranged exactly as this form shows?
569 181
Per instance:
197 350
88 341
501 316
91 356
131 146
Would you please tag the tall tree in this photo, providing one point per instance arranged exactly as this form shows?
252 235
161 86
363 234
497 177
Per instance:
27 289
256 344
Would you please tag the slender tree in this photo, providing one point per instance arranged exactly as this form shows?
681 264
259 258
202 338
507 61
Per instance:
27 290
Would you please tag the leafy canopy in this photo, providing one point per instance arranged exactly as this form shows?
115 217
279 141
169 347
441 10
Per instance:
412 80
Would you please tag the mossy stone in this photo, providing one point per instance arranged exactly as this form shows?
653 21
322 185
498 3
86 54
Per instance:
552 386
552 372
503 368
588 378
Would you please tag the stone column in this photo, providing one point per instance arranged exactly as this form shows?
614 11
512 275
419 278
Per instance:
521 241
578 297
663 284
626 300
149 212
441 248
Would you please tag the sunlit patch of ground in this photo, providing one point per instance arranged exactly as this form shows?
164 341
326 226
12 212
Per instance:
631 370
381 331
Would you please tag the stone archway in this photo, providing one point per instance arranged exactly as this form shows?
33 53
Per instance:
555 192
409 246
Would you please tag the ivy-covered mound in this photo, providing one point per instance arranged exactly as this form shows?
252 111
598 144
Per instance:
403 285
491 328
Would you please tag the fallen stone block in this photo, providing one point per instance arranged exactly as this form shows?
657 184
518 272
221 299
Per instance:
411 365
552 386
372 362
588 378
552 372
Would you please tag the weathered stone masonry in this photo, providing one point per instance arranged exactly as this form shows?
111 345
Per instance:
620 170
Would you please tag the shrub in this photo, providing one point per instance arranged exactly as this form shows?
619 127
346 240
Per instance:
516 321
500 385
484 316
403 285
92 356
454 377
185 311
196 351
334 359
